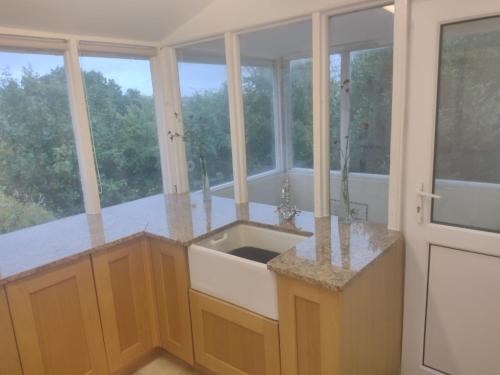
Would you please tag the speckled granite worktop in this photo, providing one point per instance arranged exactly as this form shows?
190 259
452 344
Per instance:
333 256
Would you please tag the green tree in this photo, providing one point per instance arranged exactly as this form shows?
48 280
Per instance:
38 163
259 118
125 140
39 177
371 104
206 121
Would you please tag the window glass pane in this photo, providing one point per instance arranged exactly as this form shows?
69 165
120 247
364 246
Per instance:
259 118
300 86
467 152
371 104
277 96
39 177
121 109
360 113
205 112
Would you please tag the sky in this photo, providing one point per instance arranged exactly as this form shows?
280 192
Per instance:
128 73
200 77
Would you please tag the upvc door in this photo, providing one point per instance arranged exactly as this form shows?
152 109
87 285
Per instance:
452 189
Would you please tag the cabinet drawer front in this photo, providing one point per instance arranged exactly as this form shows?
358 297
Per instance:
125 295
56 321
9 358
232 341
172 286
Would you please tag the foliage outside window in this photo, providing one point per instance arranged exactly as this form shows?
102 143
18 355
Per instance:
371 103
259 118
369 88
205 115
39 177
300 100
121 109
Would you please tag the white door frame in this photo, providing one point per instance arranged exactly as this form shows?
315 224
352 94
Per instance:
427 18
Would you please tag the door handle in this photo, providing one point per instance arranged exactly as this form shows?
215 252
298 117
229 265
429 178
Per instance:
421 194
425 194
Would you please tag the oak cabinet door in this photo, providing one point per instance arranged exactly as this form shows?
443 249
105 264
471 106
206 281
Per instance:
172 287
56 322
124 290
229 340
310 323
9 357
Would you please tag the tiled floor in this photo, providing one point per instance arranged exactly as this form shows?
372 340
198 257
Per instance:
166 365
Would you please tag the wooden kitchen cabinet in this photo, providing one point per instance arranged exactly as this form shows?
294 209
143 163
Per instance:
56 322
171 278
9 357
356 331
124 287
229 340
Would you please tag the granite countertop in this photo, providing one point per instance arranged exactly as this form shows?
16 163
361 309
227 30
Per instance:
331 257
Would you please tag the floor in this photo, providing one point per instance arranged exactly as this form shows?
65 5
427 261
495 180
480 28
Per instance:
166 365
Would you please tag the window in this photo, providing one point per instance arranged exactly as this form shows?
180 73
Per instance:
205 112
371 104
300 111
277 98
258 75
39 177
121 110
467 152
360 113
258 104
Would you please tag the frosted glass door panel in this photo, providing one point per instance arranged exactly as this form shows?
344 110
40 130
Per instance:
467 155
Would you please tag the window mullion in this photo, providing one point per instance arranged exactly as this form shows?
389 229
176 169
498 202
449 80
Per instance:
279 134
399 97
81 129
174 118
321 114
236 116
167 153
287 118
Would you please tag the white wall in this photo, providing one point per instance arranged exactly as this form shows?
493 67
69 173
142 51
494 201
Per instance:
265 189
368 191
233 15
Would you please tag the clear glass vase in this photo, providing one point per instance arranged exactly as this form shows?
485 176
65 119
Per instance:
205 181
345 213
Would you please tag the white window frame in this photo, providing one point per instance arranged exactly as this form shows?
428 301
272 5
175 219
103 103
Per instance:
70 48
146 53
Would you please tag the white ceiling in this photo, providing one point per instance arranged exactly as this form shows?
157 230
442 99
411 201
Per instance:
140 20
372 26
362 27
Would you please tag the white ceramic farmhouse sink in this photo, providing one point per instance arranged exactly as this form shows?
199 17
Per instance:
233 278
